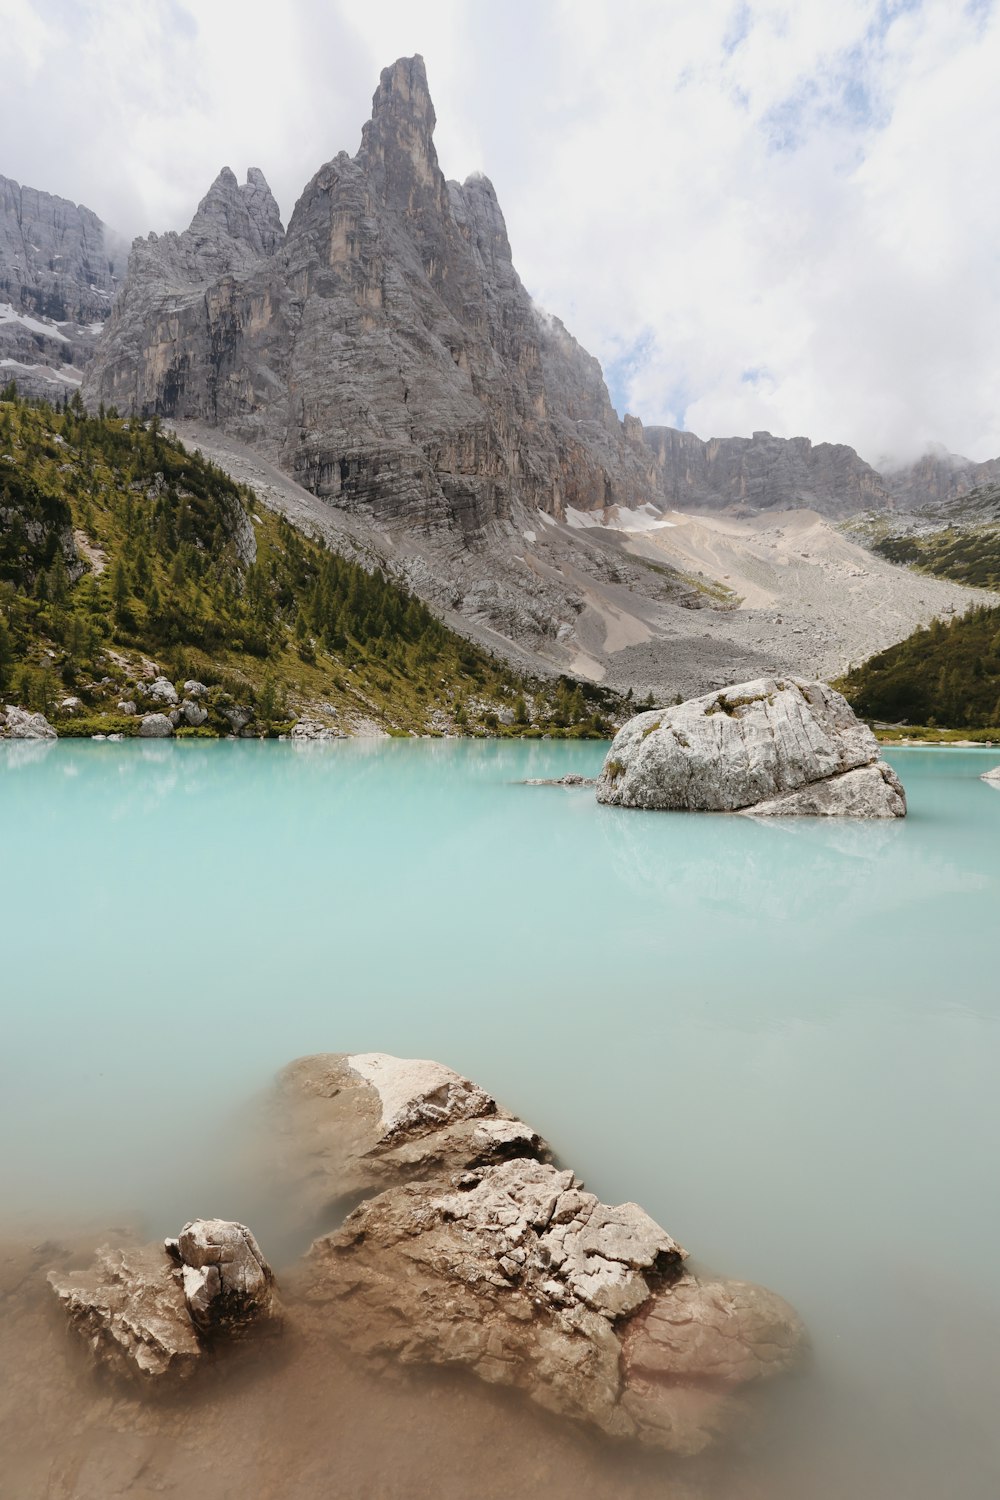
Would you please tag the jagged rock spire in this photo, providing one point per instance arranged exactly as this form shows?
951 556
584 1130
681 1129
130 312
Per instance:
397 143
247 213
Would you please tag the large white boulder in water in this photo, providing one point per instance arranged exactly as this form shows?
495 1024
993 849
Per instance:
774 747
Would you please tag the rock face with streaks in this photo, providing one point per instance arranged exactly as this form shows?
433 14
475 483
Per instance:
471 1248
762 472
59 269
774 747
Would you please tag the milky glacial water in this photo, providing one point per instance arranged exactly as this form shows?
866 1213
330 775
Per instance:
782 1038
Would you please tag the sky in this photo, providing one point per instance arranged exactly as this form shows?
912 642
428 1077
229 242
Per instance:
776 214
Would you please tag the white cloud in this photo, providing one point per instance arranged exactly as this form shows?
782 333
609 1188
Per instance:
777 213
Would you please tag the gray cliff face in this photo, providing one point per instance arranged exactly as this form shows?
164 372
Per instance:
59 270
384 351
763 472
937 478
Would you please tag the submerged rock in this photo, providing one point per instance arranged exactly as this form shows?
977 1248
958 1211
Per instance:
480 1252
572 778
130 1311
773 747
992 776
145 1311
21 724
340 1126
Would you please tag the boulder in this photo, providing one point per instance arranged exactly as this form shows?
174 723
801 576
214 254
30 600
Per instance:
238 716
773 747
24 725
480 1252
155 727
228 1285
162 690
194 689
71 706
992 776
193 713
126 706
150 1312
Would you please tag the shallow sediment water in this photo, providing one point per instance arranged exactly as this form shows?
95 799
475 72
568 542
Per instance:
782 1038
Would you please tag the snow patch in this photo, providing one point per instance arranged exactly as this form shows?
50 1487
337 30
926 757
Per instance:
34 325
68 377
618 518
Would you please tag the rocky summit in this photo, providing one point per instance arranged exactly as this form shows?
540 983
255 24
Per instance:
387 354
384 350
772 748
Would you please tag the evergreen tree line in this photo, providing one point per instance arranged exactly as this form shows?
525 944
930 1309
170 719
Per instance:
945 675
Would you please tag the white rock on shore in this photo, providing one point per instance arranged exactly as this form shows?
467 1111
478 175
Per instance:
21 724
155 727
772 747
993 777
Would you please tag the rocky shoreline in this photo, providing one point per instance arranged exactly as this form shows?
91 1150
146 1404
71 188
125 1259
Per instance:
449 1238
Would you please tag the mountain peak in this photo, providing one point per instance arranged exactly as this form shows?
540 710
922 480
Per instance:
397 143
246 213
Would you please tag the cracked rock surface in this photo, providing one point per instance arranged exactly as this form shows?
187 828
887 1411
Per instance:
228 1285
480 1252
772 747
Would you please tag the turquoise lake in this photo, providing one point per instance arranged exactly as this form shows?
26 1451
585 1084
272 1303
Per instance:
782 1038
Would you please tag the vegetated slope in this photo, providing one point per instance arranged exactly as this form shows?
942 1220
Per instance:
947 675
962 541
119 550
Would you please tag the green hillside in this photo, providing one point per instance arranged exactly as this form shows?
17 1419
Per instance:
967 556
121 553
946 675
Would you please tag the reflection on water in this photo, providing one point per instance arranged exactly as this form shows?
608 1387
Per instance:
779 1037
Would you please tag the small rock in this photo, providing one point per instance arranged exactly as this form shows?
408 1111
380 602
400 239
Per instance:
228 1285
148 1312
570 779
127 706
130 1311
193 689
155 727
71 706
